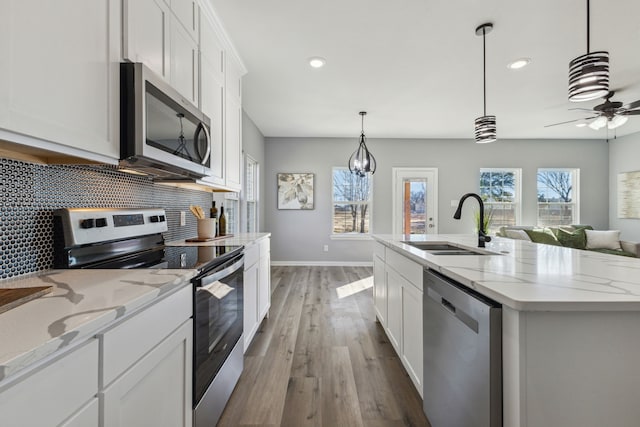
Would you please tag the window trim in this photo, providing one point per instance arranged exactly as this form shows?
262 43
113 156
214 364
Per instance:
518 189
575 190
244 200
352 235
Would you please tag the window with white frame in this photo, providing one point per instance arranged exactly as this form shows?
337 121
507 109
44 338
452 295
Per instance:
231 212
558 196
500 191
251 194
351 207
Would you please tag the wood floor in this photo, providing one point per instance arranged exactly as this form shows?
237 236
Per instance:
321 359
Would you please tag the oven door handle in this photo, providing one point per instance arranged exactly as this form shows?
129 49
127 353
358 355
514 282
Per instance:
207 280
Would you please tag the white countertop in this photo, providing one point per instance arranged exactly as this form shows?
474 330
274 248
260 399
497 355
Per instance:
236 239
81 303
534 277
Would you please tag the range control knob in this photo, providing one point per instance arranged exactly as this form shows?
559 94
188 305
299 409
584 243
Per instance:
87 223
101 222
162 218
154 218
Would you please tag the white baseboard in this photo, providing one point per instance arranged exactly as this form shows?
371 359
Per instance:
322 263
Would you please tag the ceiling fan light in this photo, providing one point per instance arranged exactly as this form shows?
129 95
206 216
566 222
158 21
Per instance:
485 129
589 77
598 123
617 121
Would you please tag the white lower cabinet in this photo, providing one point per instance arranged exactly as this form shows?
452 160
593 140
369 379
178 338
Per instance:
379 284
257 287
398 304
156 391
58 390
85 417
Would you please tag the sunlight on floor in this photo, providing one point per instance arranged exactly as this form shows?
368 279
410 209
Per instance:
355 287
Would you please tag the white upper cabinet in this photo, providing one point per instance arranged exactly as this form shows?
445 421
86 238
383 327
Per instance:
158 37
220 100
59 75
187 13
146 34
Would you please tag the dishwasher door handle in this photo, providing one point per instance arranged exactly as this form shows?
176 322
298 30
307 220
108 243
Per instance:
457 312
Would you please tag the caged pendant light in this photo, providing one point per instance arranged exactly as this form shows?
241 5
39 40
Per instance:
589 73
362 161
485 126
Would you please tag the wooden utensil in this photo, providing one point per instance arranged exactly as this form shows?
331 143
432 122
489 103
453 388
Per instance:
197 211
13 297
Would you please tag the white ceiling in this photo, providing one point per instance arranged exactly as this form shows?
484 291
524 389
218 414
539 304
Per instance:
416 65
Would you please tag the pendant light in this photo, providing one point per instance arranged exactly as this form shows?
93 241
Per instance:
589 73
362 161
486 125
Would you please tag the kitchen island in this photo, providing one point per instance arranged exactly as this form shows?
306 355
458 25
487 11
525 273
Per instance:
570 326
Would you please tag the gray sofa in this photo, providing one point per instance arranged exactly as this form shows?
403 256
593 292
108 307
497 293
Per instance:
522 232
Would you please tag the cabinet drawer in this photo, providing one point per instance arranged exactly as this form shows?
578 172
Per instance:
129 341
410 270
378 250
49 396
251 255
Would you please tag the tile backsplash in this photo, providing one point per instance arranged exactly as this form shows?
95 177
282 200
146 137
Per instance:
29 193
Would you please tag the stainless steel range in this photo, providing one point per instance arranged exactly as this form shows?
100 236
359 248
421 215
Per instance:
132 238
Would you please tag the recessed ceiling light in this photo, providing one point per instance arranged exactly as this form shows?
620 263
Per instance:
519 63
581 125
317 62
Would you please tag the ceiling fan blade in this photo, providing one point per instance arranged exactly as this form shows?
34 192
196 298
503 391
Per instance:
571 121
630 113
581 109
632 105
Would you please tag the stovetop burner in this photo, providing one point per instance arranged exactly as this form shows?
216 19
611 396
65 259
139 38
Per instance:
198 257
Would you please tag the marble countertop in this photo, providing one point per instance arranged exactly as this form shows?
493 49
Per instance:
534 277
81 303
237 239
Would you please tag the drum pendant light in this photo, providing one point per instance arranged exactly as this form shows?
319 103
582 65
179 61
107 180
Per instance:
589 73
485 126
362 161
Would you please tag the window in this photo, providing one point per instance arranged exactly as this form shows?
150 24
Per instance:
231 211
351 203
251 194
500 191
558 197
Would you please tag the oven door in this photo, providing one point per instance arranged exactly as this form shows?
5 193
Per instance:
218 316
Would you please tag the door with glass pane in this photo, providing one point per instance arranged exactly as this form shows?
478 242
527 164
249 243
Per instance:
415 201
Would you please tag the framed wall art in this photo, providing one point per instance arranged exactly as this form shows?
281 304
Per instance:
629 194
295 191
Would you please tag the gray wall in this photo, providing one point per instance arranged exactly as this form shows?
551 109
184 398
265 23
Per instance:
299 236
624 156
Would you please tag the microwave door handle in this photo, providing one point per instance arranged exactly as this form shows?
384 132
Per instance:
203 127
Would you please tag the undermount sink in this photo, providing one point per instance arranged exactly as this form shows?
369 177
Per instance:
438 248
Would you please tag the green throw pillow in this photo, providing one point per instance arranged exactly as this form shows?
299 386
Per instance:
543 237
575 240
581 226
614 252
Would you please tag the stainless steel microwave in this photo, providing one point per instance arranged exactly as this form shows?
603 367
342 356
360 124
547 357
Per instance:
161 133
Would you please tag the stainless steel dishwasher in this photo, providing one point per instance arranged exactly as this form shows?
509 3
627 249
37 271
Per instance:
462 355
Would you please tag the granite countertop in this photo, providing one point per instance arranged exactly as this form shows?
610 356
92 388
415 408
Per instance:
81 303
534 277
237 239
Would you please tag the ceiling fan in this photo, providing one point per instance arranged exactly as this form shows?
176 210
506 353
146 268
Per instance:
612 114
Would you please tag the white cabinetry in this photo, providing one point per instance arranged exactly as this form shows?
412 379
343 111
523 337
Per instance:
233 125
59 390
221 101
147 366
398 304
137 372
379 283
164 41
59 74
257 287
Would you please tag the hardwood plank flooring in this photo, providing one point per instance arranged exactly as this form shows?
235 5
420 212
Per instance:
321 359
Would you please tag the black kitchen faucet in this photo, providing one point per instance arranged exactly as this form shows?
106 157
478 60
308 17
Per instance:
482 235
